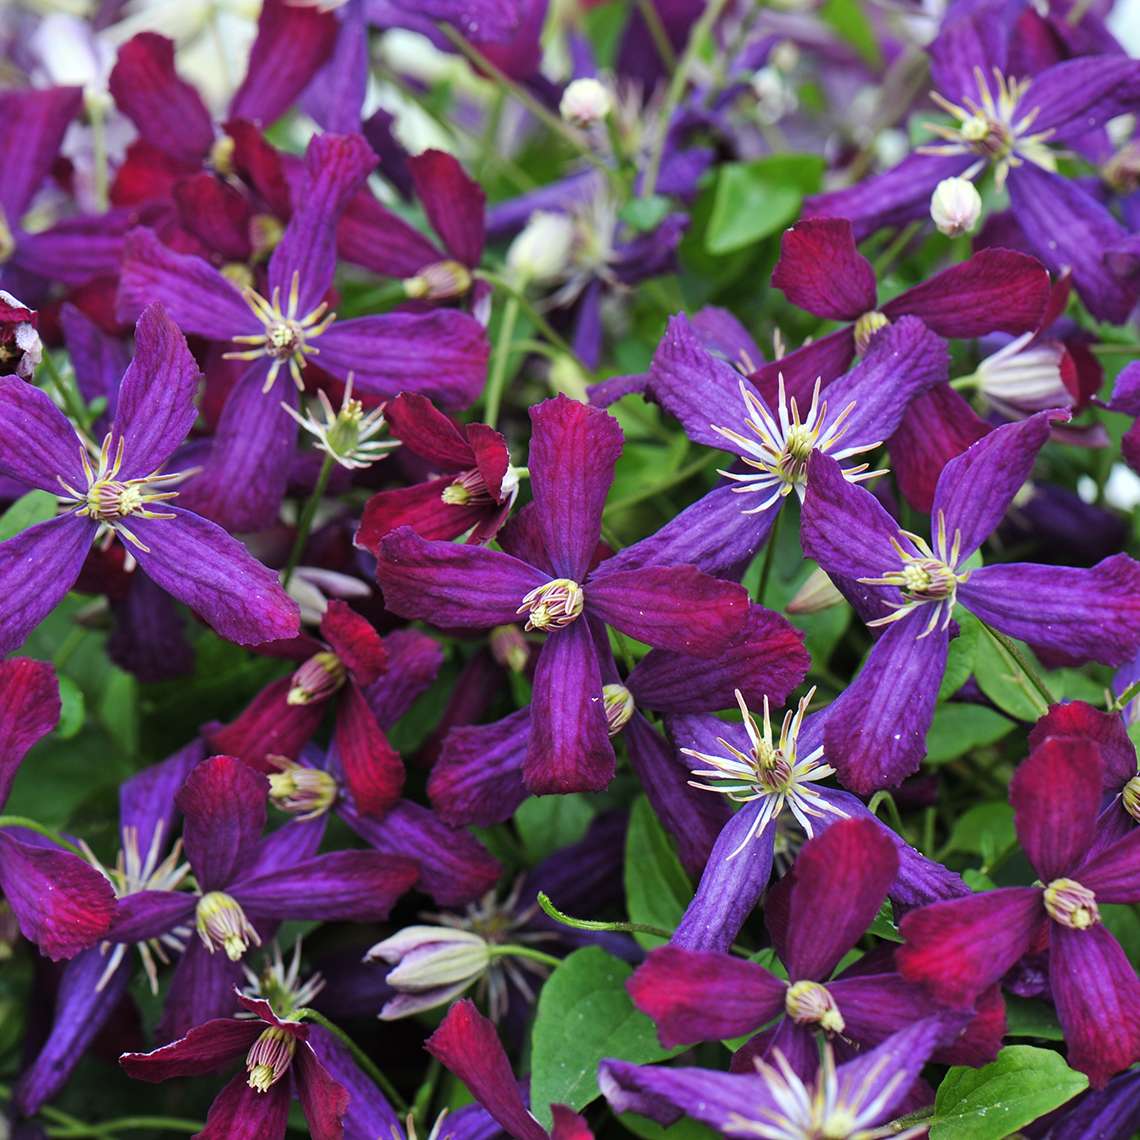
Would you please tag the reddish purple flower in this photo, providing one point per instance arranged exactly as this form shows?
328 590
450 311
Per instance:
877 728
60 903
126 494
548 576
278 1063
956 949
816 915
1126 399
474 493
20 347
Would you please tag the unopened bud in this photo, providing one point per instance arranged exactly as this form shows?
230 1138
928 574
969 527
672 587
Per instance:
265 234
222 925
541 250
1025 376
809 1003
568 378
300 791
619 706
432 964
509 648
818 593
955 206
317 679
439 281
269 1058
585 102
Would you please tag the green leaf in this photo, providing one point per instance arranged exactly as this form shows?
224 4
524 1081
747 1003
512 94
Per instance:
1023 1084
1026 1018
657 890
985 829
585 1014
754 200
34 507
1004 683
684 1129
960 661
645 214
72 709
957 729
850 20
547 823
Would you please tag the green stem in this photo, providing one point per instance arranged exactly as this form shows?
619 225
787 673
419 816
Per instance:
676 89
96 113
540 322
358 1055
513 951
40 829
112 1128
305 522
657 33
425 1094
892 811
769 558
67 647
72 404
900 241
503 348
1045 696
1122 701
966 383
1115 349
679 476
592 924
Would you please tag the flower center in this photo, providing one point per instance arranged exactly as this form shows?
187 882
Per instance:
1130 797
1070 904
809 1003
467 490
317 679
269 1058
301 791
287 335
7 240
553 606
866 327
222 925
619 706
439 281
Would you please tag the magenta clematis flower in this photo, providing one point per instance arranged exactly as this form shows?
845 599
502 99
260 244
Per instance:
126 495
1010 124
1126 399
278 1062
719 408
549 576
877 727
478 777
956 949
850 1100
816 914
442 353
60 903
821 270
473 495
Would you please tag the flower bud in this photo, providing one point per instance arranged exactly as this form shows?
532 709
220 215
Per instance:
585 102
222 925
439 281
541 251
432 964
1026 377
566 377
269 1058
955 206
818 593
619 706
317 679
509 648
300 791
1130 798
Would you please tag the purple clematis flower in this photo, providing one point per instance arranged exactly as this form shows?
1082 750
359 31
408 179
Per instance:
549 576
851 1099
816 915
278 1062
1011 124
60 903
441 353
958 948
720 408
877 727
126 495
1126 399
1111 1113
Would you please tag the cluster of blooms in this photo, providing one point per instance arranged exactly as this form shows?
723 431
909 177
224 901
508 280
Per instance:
382 377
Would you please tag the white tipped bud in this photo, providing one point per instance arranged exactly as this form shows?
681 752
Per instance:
585 102
542 249
818 593
955 206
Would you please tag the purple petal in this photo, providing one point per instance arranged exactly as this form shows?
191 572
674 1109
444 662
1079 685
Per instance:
1110 1114
453 201
820 270
824 359
155 409
240 1112
38 446
569 748
201 565
442 354
1097 995
372 236
572 455
335 97
75 249
37 567
466 587
414 661
1076 615
99 360
1126 390
976 488
964 45
29 710
149 636
204 1049
876 731
1106 732
877 1005
34 125
1075 96
201 987
323 1100
369 1113
149 914
670 607
1112 873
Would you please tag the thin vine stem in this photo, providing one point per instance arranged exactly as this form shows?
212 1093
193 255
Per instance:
305 522
1011 650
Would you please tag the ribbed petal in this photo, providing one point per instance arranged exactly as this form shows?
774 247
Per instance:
423 428
442 354
204 1049
572 456
455 868
217 214
958 948
372 768
467 1044
75 249
700 996
37 567
335 97
670 607
99 360
453 201
1078 95
242 1113
201 987
1112 1113
35 122
146 800
29 710
323 1101
997 290
38 447
155 408
465 587
166 110
268 726
372 236
354 886
963 45
840 881
1097 995
823 359
149 914
569 748
1113 872
355 641
478 776
149 634
420 507
1055 795
976 488
61 903
414 661
820 270
1076 615
876 731
876 1005
201 565
369 1114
